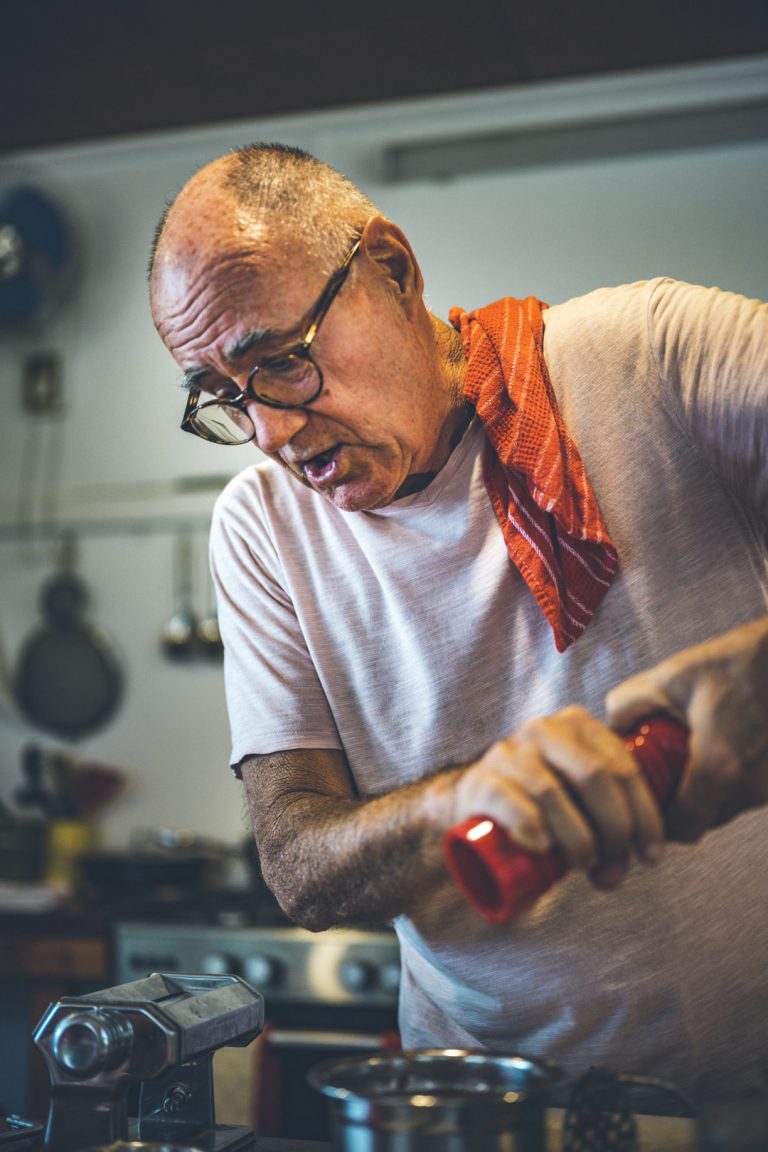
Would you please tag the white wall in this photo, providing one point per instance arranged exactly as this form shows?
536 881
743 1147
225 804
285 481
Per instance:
697 214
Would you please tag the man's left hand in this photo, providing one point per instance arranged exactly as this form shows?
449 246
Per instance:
719 689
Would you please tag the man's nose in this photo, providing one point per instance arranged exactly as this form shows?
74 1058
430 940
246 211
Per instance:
275 427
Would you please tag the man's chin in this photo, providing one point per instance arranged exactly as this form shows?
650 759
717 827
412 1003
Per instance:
358 496
356 501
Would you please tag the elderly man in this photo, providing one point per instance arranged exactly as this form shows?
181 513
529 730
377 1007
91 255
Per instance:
465 535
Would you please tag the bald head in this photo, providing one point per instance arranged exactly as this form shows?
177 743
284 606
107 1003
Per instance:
264 187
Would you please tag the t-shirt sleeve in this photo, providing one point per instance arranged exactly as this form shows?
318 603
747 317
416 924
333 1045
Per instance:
711 350
275 700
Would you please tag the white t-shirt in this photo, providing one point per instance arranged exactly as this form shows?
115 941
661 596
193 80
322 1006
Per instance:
406 638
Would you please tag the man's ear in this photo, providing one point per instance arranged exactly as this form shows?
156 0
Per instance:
387 247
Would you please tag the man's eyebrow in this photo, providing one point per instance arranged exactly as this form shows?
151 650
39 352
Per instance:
256 338
252 339
190 379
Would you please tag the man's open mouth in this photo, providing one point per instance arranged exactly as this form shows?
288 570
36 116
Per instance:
320 468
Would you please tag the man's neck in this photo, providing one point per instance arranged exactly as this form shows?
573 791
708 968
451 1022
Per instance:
420 480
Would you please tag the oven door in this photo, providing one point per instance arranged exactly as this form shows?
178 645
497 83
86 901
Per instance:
295 1039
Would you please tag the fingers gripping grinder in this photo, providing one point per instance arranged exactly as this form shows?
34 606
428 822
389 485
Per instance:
160 1034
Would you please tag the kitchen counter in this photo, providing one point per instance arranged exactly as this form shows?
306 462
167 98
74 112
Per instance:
71 946
655 1133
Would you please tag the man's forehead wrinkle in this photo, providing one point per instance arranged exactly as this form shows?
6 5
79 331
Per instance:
221 264
208 279
182 320
181 306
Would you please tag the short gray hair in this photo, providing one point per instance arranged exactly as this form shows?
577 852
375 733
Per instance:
308 197
302 195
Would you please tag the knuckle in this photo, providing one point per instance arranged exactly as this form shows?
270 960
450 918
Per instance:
592 772
530 730
537 728
500 752
595 776
574 713
545 790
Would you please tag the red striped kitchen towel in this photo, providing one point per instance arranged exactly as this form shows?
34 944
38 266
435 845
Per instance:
535 477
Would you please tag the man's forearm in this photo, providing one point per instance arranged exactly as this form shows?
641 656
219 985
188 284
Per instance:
332 859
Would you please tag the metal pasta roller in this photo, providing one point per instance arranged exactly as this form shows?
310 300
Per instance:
159 1034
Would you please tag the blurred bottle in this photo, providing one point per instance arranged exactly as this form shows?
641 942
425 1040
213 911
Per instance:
68 840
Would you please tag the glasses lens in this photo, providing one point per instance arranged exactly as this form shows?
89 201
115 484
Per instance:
221 423
286 381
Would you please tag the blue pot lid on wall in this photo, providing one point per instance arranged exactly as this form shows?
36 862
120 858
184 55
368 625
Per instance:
37 257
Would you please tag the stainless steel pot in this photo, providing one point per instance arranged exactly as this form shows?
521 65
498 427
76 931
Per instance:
436 1100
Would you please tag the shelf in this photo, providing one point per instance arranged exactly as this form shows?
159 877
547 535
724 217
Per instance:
54 530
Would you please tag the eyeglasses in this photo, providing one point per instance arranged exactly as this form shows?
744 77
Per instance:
289 379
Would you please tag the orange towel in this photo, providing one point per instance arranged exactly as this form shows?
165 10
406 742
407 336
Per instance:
534 474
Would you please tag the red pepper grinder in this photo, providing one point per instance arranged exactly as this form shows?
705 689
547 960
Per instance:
501 879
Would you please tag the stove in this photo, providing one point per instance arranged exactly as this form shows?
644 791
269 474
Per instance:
288 965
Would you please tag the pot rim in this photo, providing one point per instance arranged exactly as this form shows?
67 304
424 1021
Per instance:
344 1080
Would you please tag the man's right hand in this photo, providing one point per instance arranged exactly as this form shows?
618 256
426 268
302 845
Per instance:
567 781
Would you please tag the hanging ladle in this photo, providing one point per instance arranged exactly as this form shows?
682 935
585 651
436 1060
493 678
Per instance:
208 633
179 637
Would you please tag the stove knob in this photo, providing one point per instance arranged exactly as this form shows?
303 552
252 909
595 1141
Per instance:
86 1043
356 975
262 971
389 976
218 964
